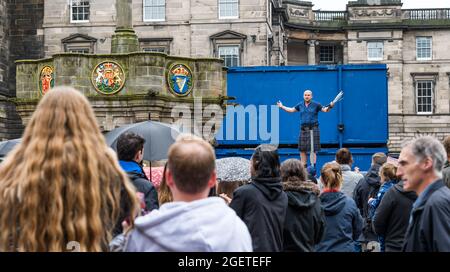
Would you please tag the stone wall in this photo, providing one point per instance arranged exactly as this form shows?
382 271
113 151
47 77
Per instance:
145 91
400 55
26 35
409 124
4 48
10 125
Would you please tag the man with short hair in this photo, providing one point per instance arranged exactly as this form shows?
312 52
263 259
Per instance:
350 178
446 169
309 111
420 168
366 188
130 150
193 221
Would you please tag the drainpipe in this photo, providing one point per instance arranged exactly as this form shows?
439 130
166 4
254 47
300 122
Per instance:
340 109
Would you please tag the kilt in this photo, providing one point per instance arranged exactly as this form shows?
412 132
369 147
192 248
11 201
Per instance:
304 142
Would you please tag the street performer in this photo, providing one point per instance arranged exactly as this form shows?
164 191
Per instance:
309 111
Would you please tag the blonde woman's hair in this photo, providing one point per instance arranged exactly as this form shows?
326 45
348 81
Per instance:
62 184
164 193
331 175
388 171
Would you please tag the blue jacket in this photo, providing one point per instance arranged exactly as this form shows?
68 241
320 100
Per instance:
343 223
376 202
141 183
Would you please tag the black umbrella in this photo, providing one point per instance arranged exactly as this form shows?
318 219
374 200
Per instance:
7 146
158 138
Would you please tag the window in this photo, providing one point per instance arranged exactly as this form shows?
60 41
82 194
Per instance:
84 50
154 10
230 54
154 49
228 9
79 43
79 11
327 54
424 96
161 45
375 50
423 47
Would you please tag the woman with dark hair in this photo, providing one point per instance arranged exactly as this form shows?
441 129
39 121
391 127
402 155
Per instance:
343 221
262 204
305 220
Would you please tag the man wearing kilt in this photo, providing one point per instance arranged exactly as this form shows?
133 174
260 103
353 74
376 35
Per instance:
309 111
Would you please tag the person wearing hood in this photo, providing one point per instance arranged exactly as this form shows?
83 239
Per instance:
305 220
345 159
343 221
392 216
262 204
367 188
130 150
193 222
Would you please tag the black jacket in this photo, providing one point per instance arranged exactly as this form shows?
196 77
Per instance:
262 206
366 188
305 220
392 216
143 185
429 230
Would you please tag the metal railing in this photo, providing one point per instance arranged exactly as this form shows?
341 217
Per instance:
330 15
426 14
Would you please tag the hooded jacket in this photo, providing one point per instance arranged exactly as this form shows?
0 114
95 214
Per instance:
343 223
429 228
206 225
141 183
351 179
392 216
262 205
305 221
367 188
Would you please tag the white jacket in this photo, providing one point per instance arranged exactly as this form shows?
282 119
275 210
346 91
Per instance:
206 225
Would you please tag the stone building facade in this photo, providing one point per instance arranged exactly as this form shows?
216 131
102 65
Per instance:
413 43
242 30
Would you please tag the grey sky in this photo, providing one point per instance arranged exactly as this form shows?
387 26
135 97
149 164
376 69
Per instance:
407 4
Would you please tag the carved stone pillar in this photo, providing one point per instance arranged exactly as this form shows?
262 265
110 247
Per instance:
311 52
124 39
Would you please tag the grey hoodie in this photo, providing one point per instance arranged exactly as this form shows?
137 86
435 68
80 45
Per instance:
350 181
206 225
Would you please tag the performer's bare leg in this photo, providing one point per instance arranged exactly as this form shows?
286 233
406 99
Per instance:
303 157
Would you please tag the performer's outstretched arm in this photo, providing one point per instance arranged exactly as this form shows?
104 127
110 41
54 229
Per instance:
287 109
328 108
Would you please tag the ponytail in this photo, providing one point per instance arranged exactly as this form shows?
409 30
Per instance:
331 175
